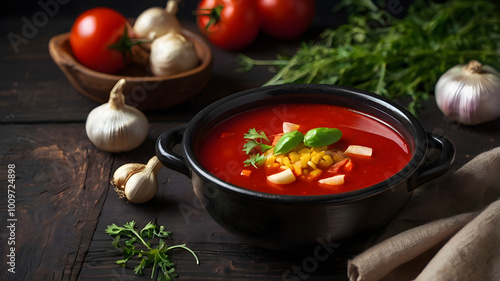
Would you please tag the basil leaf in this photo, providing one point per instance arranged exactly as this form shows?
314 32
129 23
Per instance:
288 141
322 137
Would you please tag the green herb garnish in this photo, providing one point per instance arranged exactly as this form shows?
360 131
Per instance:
322 137
254 147
400 59
254 160
156 256
288 141
254 135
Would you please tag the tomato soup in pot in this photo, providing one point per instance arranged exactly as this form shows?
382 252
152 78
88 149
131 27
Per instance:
303 149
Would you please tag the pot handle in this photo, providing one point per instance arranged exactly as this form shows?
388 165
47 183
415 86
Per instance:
164 146
439 166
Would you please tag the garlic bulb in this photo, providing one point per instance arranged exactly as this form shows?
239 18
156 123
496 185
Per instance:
156 21
469 94
171 54
116 126
137 182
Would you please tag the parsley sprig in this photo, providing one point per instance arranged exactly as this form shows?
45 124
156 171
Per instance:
254 147
157 256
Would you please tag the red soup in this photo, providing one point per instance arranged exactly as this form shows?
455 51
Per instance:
303 149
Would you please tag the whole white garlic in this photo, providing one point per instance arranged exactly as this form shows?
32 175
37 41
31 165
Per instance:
172 54
156 21
116 126
137 182
469 94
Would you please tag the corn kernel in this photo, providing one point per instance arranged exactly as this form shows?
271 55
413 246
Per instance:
279 158
311 164
338 157
328 159
286 162
270 161
297 169
294 156
315 173
323 165
304 151
305 157
315 159
320 149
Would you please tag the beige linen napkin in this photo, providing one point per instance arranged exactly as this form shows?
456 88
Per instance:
450 230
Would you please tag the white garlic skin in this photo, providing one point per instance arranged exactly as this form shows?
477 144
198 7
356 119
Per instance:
172 54
467 97
141 187
156 22
123 173
116 126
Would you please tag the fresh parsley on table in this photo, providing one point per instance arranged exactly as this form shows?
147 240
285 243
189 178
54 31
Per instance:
127 236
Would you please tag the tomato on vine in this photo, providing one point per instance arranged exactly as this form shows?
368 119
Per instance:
228 24
100 39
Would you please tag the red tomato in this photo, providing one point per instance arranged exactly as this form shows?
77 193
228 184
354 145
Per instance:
234 27
91 36
286 19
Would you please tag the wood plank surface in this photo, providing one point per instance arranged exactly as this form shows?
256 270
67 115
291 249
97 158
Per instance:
59 197
63 197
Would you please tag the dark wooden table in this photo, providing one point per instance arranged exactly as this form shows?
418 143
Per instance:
64 201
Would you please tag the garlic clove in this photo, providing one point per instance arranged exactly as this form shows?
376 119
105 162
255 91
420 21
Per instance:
116 126
141 187
172 54
123 173
139 181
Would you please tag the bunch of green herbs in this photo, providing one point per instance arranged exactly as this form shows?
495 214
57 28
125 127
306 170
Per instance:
127 236
398 58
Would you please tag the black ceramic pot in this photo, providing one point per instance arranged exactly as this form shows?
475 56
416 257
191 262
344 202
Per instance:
285 222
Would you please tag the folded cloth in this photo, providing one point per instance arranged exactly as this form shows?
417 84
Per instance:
450 230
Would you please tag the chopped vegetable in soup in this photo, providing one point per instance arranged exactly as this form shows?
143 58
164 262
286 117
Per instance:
303 149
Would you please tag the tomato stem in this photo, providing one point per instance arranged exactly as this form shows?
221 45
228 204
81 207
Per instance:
214 14
124 45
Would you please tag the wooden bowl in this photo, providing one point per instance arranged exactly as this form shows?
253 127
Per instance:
143 90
